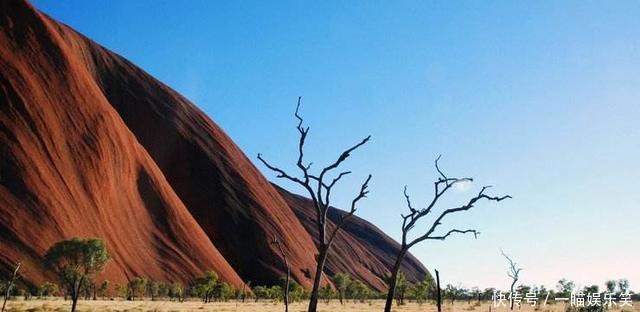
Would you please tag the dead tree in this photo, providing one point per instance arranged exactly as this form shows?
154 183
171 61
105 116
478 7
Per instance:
438 293
10 283
319 188
513 273
276 242
441 186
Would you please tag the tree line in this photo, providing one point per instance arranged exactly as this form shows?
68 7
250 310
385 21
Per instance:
77 261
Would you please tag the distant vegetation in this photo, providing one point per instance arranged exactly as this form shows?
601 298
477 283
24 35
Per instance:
77 261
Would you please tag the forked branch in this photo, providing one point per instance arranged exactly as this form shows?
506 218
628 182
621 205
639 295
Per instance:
363 194
514 270
513 273
441 186
318 189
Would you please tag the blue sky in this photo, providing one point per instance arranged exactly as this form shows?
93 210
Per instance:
539 99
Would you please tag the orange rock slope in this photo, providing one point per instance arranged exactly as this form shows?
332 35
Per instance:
70 166
91 145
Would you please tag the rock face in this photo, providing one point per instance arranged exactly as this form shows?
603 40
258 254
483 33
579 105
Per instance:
91 145
70 166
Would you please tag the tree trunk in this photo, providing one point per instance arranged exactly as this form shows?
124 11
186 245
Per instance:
73 304
512 286
286 285
6 294
75 293
393 279
10 285
438 294
322 258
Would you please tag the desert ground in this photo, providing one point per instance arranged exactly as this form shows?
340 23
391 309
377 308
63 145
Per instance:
60 305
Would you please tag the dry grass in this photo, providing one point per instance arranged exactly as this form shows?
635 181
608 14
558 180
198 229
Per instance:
59 305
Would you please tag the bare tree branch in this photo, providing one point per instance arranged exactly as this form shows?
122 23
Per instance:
514 270
443 237
440 186
363 193
438 168
513 273
465 207
406 196
320 193
343 157
281 173
303 136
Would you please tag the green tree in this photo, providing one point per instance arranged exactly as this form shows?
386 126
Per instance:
296 292
401 288
163 289
623 286
466 294
153 288
121 290
420 291
476 293
275 293
77 261
565 287
523 289
543 292
357 290
611 286
341 281
205 286
261 292
327 293
593 289
488 293
104 287
223 291
47 289
86 289
452 292
137 286
176 291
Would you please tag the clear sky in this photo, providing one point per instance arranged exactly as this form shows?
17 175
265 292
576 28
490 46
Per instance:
538 98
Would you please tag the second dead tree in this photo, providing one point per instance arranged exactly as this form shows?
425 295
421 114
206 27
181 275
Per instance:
441 186
276 242
10 285
513 273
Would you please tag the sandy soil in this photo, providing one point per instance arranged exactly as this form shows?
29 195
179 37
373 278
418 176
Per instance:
59 305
